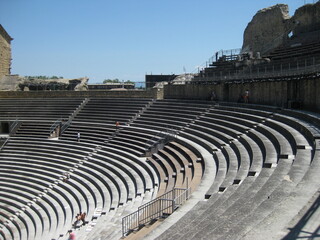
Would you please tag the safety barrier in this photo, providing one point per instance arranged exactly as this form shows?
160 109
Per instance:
158 141
13 126
55 125
160 207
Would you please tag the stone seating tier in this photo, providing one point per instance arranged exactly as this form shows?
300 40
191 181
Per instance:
256 190
252 159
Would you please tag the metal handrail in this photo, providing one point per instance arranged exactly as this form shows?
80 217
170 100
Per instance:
5 142
284 69
65 126
55 125
160 138
216 56
156 208
13 126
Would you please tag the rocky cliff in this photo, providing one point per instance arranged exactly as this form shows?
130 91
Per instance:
272 27
306 20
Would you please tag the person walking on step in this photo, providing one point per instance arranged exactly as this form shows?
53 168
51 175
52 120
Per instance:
78 137
83 218
78 218
117 125
246 96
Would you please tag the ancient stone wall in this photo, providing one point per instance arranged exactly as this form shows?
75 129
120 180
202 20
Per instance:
152 93
276 93
5 52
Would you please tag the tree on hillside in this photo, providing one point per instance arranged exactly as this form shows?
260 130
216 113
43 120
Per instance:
43 77
116 80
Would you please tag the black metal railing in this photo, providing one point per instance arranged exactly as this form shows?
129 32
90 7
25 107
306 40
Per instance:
13 126
4 143
158 141
263 71
65 126
55 125
160 207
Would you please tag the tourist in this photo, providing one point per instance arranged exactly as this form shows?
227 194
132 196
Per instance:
213 96
246 96
78 136
72 236
66 176
78 218
83 218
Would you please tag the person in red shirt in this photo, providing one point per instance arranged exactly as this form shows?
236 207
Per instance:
72 236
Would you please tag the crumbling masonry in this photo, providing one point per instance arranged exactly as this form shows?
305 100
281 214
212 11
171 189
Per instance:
5 52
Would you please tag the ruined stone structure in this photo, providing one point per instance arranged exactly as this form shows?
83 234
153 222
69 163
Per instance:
10 82
18 83
306 22
267 26
272 27
5 52
279 63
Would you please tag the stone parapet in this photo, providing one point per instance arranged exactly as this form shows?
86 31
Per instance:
152 93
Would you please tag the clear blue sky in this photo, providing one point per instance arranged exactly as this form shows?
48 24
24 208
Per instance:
123 39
